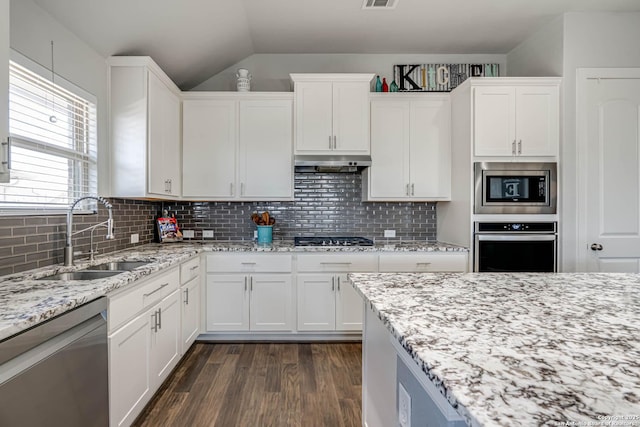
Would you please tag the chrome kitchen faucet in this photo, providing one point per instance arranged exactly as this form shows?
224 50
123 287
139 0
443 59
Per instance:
68 248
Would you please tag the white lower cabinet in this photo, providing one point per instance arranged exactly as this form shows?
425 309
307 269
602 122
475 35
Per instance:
249 292
144 322
424 262
190 302
326 299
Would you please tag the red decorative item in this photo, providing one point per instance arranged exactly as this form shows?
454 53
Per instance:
385 86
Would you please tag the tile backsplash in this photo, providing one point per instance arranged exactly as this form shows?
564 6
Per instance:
325 204
34 241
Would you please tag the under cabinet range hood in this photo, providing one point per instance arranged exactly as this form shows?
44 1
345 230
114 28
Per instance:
331 163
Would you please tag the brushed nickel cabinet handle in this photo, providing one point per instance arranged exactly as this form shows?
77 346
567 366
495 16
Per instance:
186 294
513 147
330 143
156 290
520 147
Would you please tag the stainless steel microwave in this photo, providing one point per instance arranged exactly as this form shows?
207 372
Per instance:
515 188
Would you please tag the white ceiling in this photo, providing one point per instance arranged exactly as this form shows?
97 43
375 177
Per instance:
193 40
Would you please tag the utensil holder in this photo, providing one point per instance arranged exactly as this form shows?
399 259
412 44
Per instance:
265 234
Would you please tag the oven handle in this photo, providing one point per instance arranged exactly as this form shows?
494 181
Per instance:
514 238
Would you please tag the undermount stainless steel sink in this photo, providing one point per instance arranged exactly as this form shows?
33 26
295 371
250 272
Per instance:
81 275
119 265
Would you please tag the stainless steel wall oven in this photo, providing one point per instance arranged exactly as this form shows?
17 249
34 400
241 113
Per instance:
515 188
515 247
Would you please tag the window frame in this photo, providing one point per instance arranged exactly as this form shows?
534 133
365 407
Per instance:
90 163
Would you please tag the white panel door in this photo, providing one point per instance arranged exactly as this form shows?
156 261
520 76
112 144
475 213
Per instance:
389 173
612 174
351 117
270 307
266 149
314 127
316 302
129 370
227 302
165 342
430 149
164 139
349 306
209 145
493 121
190 313
537 120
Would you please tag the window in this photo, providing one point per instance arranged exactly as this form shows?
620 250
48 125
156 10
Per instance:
53 145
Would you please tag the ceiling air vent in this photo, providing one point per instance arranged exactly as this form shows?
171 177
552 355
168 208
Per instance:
379 4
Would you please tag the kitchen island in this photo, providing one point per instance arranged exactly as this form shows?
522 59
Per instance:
513 349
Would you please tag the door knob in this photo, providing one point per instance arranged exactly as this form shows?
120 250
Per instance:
596 247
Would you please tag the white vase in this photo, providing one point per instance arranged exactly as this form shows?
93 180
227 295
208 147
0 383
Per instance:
244 80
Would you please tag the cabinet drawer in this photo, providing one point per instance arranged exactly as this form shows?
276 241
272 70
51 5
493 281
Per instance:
423 262
248 263
336 263
124 306
189 270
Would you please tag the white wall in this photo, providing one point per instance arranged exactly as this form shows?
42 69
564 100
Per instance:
271 71
590 40
541 55
32 30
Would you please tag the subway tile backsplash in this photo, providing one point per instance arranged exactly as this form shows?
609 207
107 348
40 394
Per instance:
325 204
34 241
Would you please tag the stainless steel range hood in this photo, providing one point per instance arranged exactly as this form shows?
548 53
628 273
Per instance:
331 163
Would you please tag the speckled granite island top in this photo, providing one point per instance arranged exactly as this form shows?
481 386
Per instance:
26 301
520 349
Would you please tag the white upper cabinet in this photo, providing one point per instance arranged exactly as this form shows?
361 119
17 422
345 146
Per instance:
144 129
516 119
410 148
237 146
209 142
332 113
4 90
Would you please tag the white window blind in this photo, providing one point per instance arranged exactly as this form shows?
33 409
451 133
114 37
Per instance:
53 145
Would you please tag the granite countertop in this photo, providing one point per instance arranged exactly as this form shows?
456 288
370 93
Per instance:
520 349
26 301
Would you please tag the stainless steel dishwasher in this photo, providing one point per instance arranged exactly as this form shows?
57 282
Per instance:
57 372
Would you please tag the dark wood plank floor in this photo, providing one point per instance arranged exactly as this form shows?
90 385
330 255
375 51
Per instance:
261 384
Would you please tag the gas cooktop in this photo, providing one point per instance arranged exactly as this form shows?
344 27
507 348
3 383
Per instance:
332 241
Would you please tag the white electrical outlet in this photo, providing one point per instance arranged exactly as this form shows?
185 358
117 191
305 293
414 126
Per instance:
389 233
255 234
188 234
135 238
404 407
207 234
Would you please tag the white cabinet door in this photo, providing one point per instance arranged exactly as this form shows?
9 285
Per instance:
410 149
316 302
266 149
516 120
209 148
130 370
332 113
190 303
430 149
494 114
314 116
349 306
537 120
4 90
165 341
388 176
270 307
351 117
164 139
227 302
